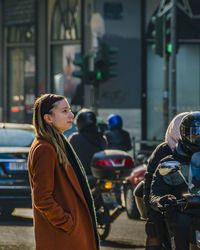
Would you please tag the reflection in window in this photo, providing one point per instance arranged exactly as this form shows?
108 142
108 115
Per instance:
21 84
66 20
64 82
21 33
19 24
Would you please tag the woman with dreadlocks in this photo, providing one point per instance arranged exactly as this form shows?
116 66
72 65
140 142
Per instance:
64 215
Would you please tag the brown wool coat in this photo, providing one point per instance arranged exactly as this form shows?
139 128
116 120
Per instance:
62 219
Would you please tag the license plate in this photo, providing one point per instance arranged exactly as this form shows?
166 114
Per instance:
109 197
16 166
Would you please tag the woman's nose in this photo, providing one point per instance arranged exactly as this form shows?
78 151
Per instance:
72 115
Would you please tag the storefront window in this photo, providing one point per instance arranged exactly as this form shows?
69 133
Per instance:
22 33
66 29
66 20
19 30
64 82
187 87
21 80
154 97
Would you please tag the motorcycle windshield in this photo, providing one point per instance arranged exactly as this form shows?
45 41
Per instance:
194 174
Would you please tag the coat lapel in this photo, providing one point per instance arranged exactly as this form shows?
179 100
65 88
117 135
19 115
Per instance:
74 182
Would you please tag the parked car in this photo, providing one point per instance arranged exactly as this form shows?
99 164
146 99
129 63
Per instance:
15 142
145 149
137 175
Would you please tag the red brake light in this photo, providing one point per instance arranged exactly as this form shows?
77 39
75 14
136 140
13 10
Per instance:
103 163
117 160
14 109
129 162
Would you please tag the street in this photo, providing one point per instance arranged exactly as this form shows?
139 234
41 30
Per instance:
17 233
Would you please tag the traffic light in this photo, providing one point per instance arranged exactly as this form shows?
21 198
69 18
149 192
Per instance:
83 73
168 33
109 54
104 61
99 68
103 65
157 34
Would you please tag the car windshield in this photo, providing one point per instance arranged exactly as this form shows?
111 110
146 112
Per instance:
16 138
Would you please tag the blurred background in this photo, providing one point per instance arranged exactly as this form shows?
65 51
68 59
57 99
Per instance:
139 58
136 58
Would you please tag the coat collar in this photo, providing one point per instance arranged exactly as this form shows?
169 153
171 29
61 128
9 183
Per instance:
74 182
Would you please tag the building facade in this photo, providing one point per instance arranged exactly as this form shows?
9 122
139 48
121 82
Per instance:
187 83
39 40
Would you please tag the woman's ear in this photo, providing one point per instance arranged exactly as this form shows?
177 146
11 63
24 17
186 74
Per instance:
47 118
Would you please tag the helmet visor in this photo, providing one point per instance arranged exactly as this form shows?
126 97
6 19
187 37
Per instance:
194 135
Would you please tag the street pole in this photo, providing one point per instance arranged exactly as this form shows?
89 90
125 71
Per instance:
96 98
165 80
173 59
94 86
98 31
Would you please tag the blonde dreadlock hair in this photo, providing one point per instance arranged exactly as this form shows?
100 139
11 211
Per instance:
42 106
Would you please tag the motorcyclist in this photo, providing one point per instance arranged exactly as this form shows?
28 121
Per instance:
155 226
166 191
117 137
87 140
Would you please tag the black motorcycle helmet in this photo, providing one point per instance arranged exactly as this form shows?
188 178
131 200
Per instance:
84 118
190 132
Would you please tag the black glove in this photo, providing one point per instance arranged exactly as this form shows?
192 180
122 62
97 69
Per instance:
167 201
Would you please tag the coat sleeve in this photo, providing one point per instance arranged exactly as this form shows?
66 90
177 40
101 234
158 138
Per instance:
159 188
44 158
161 151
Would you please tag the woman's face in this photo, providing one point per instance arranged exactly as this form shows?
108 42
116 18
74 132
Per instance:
61 116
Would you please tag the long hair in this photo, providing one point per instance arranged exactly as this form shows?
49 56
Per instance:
43 130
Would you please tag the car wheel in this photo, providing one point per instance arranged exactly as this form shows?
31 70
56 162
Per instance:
131 207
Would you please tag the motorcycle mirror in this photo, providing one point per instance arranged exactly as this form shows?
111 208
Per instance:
168 167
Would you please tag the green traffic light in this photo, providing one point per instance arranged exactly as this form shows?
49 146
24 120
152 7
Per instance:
99 75
169 48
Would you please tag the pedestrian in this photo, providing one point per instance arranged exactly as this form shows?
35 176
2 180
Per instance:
88 140
155 225
117 137
64 215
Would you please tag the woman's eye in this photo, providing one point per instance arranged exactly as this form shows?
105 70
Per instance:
66 110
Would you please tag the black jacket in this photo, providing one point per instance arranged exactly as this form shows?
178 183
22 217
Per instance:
118 139
162 186
161 151
86 143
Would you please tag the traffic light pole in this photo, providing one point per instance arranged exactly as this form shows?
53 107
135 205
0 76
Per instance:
173 59
165 80
96 98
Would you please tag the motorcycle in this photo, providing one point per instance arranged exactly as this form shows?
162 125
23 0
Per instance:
189 204
109 169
